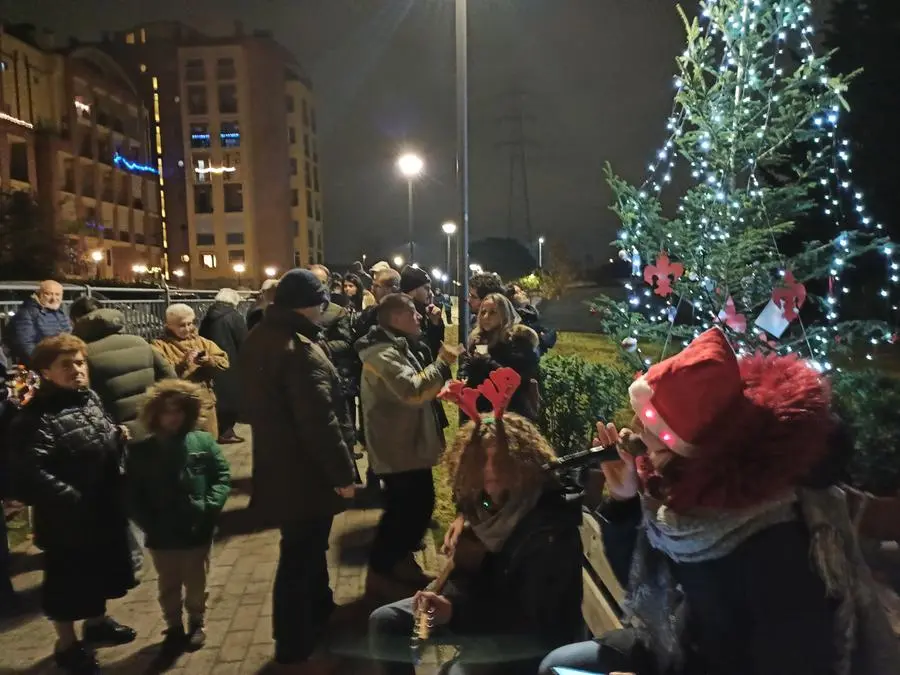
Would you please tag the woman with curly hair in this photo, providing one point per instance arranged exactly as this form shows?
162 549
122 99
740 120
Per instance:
521 597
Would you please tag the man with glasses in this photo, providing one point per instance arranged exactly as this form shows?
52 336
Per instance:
385 282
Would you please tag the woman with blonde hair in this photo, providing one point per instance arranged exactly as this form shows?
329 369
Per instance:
500 340
194 358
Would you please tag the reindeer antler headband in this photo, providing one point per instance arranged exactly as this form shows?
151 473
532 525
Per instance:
498 389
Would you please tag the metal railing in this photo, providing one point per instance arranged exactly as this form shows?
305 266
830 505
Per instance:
144 308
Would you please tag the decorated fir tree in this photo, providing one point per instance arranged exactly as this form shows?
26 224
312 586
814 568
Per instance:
755 129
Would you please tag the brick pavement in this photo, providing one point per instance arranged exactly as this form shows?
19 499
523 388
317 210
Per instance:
240 597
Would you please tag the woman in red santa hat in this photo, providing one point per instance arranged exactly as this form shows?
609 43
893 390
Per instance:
735 547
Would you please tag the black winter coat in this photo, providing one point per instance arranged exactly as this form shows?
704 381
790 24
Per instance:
519 352
337 337
761 610
67 458
224 325
531 589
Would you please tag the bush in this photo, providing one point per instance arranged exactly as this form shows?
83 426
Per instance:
869 401
576 395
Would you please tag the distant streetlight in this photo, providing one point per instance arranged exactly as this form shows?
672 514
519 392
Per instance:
410 166
398 261
239 269
476 268
449 229
97 256
271 271
436 274
178 273
540 253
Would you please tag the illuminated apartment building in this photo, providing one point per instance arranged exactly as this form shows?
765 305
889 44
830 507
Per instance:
235 125
76 135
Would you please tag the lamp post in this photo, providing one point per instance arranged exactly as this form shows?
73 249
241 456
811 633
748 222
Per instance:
98 257
410 166
540 253
179 273
449 229
271 271
398 261
239 269
462 158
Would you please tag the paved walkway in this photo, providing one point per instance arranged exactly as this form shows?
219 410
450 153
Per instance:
240 597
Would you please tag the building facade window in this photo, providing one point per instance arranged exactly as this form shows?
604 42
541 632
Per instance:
309 204
234 197
236 256
318 212
234 238
196 100
228 99
295 198
208 261
232 160
293 165
194 70
316 178
306 145
312 119
203 202
201 168
296 226
125 236
200 136
308 176
230 135
289 103
292 135
225 69
305 113
206 239
18 161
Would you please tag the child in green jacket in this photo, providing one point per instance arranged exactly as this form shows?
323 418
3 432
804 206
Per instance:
178 483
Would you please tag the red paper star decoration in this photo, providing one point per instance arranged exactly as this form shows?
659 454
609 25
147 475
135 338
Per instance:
790 296
662 271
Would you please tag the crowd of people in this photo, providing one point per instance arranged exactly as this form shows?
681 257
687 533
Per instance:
723 519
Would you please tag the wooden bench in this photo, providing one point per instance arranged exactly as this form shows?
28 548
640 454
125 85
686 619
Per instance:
603 595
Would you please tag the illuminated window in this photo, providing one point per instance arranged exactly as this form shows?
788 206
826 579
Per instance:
200 135
230 135
208 260
129 39
143 36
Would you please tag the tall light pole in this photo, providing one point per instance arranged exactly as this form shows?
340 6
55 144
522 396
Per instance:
239 269
540 253
462 158
449 229
410 166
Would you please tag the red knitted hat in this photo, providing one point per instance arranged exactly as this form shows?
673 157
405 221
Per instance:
683 399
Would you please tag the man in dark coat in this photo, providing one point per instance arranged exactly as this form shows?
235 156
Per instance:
39 316
263 300
67 459
302 467
224 325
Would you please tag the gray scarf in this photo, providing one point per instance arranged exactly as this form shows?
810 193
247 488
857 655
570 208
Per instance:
655 608
493 529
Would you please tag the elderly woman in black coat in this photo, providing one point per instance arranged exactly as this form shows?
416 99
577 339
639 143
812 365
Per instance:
224 325
67 459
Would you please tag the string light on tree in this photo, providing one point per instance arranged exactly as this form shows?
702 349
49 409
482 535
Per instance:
736 136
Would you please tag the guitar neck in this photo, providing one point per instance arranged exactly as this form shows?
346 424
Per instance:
438 584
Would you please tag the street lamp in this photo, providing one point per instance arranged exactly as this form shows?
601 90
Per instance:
540 253
410 166
398 261
97 256
239 269
178 273
436 274
271 271
462 157
449 229
475 268
139 269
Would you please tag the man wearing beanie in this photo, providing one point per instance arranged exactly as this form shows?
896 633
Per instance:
303 471
735 546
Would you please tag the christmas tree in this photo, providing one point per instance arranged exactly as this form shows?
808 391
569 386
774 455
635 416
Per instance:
755 123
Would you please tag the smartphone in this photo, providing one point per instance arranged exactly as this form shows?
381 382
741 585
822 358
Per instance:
572 671
481 349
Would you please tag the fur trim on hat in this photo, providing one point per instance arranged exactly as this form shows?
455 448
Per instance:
774 439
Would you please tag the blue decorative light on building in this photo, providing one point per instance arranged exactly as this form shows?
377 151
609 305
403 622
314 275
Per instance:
135 167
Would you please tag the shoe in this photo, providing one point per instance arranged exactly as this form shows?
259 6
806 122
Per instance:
77 660
108 633
196 637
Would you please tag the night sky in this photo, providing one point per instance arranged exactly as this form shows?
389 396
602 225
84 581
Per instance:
596 83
